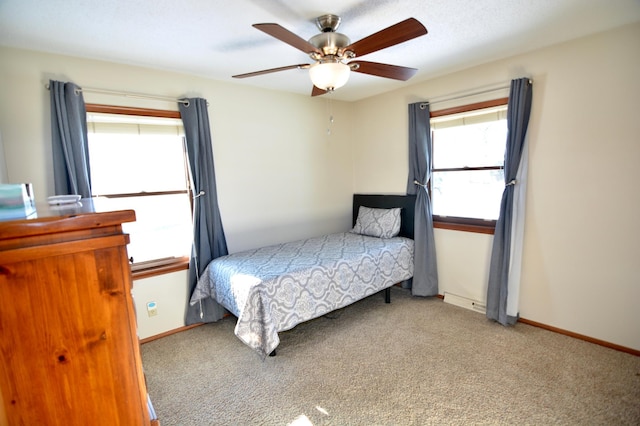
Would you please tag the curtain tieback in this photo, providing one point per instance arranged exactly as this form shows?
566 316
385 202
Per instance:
424 185
198 195
513 182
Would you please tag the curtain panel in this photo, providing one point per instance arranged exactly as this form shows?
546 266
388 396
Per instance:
69 140
209 241
504 280
425 276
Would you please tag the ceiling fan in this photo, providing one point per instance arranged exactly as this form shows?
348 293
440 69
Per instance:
334 54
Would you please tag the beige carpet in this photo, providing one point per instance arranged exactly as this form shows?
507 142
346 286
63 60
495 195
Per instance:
414 362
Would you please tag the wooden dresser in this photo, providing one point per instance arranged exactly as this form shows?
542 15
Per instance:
69 350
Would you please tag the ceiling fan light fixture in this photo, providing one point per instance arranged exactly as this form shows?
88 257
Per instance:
329 75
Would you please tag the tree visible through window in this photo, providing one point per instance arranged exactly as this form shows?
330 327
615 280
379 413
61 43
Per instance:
468 163
139 163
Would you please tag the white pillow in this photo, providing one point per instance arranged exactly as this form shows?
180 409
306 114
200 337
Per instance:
382 223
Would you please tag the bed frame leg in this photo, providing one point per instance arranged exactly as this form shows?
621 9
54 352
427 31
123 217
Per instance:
387 295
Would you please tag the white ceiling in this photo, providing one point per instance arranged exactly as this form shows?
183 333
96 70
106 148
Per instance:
214 38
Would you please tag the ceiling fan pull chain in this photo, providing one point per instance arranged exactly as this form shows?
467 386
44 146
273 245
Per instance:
330 108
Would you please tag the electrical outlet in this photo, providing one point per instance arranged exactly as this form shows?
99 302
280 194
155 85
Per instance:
152 309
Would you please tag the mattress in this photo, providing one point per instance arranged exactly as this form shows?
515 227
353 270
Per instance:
274 288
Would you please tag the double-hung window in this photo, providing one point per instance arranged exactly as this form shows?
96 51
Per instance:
468 165
138 161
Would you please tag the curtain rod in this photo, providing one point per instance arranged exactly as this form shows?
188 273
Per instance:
129 94
447 98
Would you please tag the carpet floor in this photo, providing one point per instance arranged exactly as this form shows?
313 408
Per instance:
416 361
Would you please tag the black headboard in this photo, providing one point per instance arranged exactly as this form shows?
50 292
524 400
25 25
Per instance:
406 202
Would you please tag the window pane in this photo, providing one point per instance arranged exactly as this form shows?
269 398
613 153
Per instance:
132 163
144 154
474 194
470 145
162 228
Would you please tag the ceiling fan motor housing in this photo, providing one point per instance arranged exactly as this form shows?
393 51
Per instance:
330 42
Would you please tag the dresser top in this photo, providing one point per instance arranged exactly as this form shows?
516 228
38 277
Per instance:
89 213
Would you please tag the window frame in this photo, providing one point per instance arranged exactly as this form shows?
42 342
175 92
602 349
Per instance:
482 226
157 266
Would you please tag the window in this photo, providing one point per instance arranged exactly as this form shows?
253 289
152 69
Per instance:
138 161
468 159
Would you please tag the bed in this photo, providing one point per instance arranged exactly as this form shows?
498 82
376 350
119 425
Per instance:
272 289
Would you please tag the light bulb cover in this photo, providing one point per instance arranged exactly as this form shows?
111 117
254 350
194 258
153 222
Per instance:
329 75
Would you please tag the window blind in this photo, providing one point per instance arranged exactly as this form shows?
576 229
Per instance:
133 125
470 117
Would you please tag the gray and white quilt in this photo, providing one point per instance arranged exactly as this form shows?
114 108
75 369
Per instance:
274 288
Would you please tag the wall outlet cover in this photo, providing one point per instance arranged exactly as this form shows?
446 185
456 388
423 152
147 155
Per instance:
152 309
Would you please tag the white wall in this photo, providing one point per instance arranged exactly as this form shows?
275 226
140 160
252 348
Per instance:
582 236
4 176
163 290
280 176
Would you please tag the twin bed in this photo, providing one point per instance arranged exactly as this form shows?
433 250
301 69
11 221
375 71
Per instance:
273 289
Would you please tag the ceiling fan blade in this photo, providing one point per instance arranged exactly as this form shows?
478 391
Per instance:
395 34
289 67
283 34
383 70
316 91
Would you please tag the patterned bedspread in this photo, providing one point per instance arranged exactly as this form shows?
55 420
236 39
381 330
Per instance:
274 288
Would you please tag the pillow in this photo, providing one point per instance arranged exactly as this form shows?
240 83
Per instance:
382 223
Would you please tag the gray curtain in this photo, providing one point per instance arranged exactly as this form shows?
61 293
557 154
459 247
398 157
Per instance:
69 140
209 241
425 275
518 112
